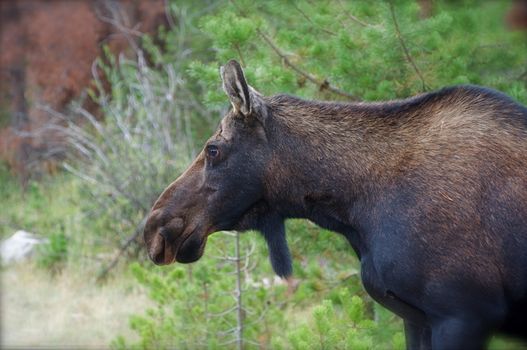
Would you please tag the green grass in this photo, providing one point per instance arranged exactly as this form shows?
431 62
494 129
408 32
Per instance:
67 310
57 208
44 208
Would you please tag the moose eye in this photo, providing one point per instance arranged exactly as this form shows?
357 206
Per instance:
212 151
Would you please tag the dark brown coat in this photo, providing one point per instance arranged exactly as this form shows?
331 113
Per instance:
430 191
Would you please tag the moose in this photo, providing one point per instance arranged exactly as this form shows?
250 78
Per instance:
430 191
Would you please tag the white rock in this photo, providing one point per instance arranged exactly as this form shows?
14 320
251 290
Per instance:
19 246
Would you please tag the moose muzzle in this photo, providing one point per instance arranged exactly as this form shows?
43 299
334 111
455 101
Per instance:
177 227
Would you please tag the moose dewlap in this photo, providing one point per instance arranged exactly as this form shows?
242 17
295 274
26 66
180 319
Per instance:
430 191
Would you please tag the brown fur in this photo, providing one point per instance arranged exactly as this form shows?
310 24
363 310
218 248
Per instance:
430 191
460 131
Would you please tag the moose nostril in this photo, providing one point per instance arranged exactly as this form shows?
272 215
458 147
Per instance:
170 231
159 258
156 246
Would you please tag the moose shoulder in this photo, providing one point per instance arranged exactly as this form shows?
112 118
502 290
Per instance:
430 191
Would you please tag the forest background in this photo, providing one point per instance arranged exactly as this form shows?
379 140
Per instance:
89 141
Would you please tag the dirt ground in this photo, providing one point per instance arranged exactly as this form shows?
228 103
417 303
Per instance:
67 311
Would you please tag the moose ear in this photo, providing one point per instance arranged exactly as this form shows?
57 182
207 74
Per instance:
236 88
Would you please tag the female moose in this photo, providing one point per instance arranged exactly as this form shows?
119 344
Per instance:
430 191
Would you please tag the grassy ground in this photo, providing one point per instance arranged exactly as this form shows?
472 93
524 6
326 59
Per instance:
67 310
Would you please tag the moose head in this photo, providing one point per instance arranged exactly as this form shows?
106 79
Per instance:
225 186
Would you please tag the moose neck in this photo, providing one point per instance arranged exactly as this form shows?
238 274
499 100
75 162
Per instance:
330 159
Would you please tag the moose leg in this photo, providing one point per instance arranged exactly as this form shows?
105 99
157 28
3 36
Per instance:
457 333
417 337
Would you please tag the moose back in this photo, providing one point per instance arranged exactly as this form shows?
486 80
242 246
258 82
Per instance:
430 191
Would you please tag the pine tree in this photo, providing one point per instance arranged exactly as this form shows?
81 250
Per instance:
359 50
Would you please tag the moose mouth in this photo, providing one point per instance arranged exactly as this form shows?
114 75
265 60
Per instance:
174 240
164 250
